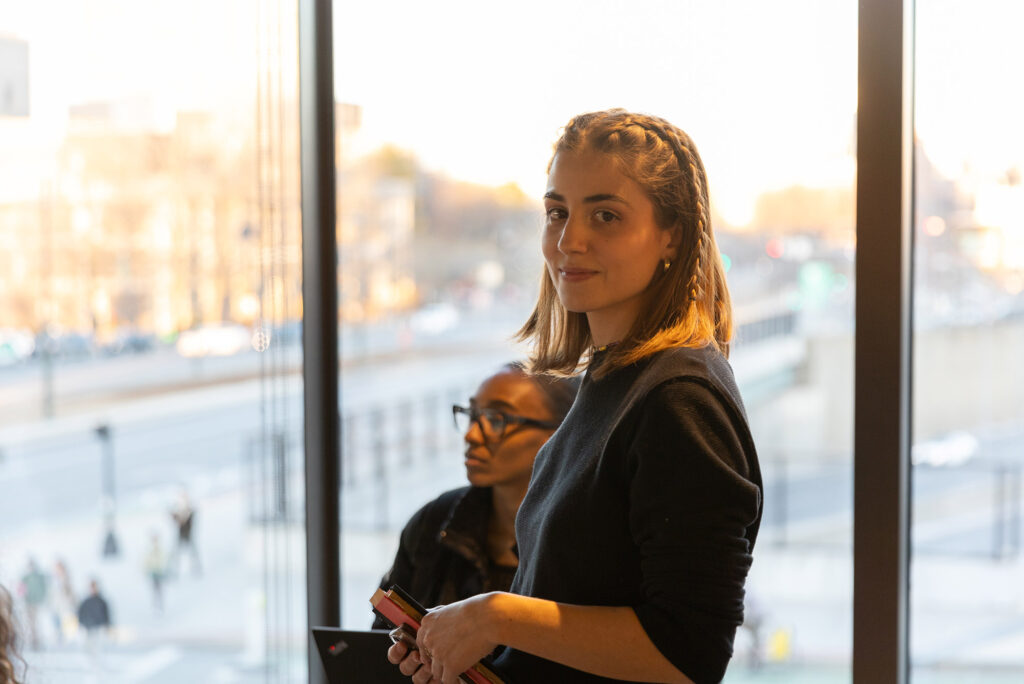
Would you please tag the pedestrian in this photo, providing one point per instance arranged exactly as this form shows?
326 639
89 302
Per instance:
9 641
463 542
637 531
94 611
64 602
184 515
154 566
33 589
94 617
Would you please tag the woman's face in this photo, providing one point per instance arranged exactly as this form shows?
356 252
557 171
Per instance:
601 241
506 459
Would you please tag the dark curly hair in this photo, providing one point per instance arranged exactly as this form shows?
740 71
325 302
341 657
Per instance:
558 392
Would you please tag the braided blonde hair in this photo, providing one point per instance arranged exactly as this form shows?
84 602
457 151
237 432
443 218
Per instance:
687 305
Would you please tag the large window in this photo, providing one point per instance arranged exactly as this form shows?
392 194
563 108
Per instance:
445 121
150 392
150 286
967 613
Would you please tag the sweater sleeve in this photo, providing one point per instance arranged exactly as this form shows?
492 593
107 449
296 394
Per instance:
695 500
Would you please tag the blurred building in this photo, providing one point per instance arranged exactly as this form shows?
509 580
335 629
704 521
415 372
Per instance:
376 215
140 228
399 225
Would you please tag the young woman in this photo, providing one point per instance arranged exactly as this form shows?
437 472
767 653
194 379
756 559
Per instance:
636 533
463 542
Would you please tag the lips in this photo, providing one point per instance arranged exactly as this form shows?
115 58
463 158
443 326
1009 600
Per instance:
474 460
575 275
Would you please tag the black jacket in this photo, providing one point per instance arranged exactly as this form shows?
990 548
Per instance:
94 612
442 554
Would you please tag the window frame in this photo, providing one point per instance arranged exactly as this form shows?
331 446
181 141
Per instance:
883 341
320 349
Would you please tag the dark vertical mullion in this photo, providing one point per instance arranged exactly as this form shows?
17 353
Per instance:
883 338
319 322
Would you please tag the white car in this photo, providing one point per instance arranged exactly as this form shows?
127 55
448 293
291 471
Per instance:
217 339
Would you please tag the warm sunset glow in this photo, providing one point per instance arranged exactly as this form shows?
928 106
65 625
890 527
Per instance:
735 91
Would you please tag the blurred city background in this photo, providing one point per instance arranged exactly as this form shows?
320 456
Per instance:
150 306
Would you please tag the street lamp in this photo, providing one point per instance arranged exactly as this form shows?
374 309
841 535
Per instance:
109 500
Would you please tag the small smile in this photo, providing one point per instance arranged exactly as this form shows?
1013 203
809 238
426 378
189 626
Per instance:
574 275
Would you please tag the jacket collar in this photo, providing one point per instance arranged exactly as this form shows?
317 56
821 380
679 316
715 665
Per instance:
465 530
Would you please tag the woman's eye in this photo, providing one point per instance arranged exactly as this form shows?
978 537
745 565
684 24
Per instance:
604 216
556 214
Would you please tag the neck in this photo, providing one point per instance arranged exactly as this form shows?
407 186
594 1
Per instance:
609 327
506 500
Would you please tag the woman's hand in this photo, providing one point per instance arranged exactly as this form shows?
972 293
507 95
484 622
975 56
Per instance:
410 663
454 637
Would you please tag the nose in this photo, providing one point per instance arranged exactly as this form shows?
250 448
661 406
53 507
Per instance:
474 434
572 239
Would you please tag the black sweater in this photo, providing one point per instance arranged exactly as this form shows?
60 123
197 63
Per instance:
648 496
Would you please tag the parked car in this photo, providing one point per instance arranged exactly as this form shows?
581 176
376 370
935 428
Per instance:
217 339
128 341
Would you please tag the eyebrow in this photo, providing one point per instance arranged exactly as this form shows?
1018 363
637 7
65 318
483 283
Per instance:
590 199
494 403
499 404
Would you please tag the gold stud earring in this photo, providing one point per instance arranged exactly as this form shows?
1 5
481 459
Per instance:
666 264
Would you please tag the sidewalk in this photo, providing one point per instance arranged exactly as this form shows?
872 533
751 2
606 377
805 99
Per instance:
217 622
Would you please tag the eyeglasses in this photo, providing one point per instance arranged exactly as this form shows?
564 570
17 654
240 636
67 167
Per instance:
492 421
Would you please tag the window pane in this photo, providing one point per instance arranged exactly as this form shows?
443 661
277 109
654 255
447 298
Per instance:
445 125
150 392
968 402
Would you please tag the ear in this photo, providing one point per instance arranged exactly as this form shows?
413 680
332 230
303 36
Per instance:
671 237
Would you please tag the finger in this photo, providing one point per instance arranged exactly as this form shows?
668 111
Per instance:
397 652
410 664
423 676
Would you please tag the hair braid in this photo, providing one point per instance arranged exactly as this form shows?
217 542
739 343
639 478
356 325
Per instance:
697 278
692 170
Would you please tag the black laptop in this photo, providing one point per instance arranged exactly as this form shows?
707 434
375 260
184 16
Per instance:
352 657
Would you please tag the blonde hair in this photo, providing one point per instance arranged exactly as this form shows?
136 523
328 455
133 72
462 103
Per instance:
687 304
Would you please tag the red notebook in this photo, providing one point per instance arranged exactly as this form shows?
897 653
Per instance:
400 609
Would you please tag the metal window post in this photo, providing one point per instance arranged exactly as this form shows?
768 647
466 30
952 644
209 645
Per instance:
319 322
882 392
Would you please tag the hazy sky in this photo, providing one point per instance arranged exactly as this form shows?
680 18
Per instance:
179 55
479 90
767 90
